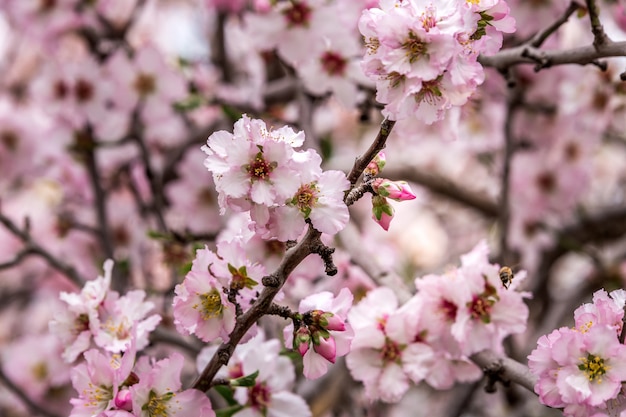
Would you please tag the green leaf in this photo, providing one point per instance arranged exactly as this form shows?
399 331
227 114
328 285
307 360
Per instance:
245 381
231 112
227 393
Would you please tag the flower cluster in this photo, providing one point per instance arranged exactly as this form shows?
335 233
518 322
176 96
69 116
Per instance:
269 393
258 170
117 387
423 55
581 369
99 313
431 336
322 325
206 301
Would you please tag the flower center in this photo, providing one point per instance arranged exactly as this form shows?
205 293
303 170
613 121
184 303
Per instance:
157 406
211 305
81 323
333 63
594 367
298 14
449 309
259 397
144 84
9 139
415 48
259 168
391 351
305 198
83 90
430 93
40 371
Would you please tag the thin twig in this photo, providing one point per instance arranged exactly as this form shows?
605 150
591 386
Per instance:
34 248
541 37
378 145
599 36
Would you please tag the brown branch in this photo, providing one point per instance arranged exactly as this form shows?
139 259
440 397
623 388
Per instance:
378 145
541 37
525 54
33 248
508 369
599 36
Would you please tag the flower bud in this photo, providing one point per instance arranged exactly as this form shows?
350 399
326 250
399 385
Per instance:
382 211
326 349
334 322
301 340
124 400
396 190
376 165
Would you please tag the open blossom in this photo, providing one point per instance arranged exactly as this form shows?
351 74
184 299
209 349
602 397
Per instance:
271 394
99 379
253 165
318 199
73 324
385 354
579 368
423 56
202 308
158 393
324 318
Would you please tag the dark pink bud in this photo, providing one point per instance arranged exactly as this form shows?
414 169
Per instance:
327 349
124 400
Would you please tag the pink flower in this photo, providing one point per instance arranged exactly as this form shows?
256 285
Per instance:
325 318
202 308
271 395
385 355
253 165
606 310
158 391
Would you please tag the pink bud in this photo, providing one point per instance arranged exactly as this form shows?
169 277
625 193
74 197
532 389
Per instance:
396 190
124 400
301 340
334 322
382 211
376 165
326 349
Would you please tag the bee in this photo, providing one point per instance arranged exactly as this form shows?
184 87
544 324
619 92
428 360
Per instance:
506 276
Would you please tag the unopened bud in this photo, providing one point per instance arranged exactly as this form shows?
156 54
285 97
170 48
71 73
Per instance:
334 322
301 340
396 190
124 400
326 349
376 165
382 211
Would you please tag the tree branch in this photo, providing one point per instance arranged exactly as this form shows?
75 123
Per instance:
510 369
378 145
33 248
525 54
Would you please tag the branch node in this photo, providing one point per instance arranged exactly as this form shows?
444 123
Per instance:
494 373
271 280
326 253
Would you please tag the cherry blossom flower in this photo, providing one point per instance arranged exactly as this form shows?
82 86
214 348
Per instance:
384 354
158 392
252 164
325 318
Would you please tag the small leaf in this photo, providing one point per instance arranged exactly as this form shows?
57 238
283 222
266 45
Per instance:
245 381
227 393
